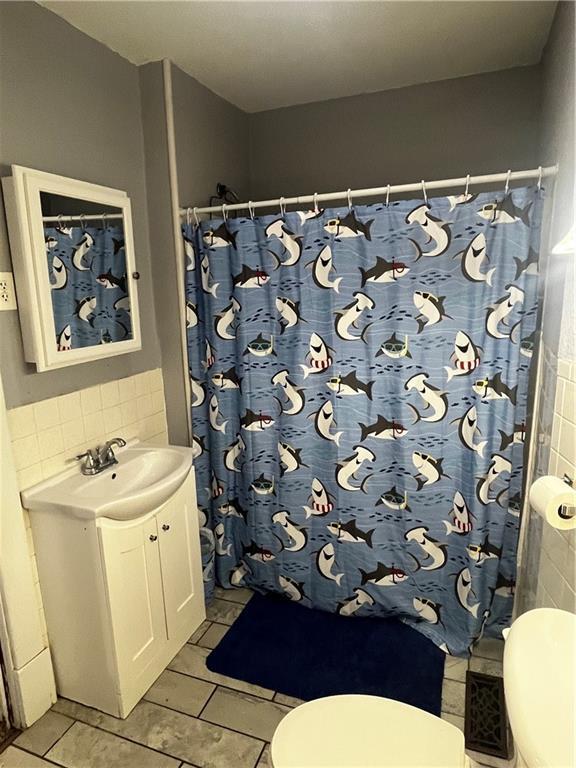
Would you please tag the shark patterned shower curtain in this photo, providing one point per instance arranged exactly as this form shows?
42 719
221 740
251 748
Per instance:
359 383
87 273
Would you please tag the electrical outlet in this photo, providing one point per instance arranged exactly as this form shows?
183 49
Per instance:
7 291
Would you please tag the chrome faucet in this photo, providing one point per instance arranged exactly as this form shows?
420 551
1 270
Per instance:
98 459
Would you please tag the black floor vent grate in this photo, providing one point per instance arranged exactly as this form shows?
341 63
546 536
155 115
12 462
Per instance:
485 722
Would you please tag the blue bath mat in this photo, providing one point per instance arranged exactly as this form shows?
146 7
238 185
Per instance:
307 653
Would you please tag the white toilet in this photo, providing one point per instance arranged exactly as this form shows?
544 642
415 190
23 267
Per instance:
355 731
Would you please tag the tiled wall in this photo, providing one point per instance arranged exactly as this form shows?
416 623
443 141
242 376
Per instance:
556 584
48 434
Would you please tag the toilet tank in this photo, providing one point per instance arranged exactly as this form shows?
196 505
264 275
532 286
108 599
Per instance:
540 687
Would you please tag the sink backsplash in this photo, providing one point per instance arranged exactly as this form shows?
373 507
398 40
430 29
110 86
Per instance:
47 434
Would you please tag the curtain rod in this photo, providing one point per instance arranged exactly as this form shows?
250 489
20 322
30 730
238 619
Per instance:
463 182
84 217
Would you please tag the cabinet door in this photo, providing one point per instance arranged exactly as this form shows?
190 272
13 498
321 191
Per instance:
134 585
180 563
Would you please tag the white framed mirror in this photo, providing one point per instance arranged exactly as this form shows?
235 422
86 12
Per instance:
74 265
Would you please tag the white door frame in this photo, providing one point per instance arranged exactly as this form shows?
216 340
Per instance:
29 673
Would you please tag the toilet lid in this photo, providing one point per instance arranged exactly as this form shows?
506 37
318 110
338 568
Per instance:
365 732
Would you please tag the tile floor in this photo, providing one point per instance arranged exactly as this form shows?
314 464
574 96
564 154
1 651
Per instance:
194 718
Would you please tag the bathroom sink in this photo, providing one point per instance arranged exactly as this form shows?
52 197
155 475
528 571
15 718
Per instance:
143 479
540 686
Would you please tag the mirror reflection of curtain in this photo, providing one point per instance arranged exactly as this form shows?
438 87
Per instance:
87 273
359 392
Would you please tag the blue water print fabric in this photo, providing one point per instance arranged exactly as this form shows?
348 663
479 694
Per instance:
359 385
87 274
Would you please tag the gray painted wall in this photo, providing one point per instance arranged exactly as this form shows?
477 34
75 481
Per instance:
70 106
211 141
163 249
479 124
211 146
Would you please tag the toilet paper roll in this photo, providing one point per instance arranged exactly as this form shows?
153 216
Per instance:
555 501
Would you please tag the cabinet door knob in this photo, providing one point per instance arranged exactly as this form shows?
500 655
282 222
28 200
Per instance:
153 537
165 527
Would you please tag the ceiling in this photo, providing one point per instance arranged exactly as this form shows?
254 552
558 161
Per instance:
264 55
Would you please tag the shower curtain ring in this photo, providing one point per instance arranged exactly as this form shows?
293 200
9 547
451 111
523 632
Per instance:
424 192
251 209
349 196
467 185
82 222
315 199
387 195
196 219
539 178
282 207
224 216
104 221
188 216
507 185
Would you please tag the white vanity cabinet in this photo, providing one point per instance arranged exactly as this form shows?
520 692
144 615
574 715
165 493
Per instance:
121 597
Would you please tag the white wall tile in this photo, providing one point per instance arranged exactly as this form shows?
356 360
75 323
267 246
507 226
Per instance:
94 426
127 389
155 380
73 434
110 394
132 431
70 407
45 435
555 438
129 412
26 451
565 467
144 406
157 400
567 440
113 419
557 568
160 439
55 464
21 422
558 549
46 414
141 384
91 400
569 405
50 442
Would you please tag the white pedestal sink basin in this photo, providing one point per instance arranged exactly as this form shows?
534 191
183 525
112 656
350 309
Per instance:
143 479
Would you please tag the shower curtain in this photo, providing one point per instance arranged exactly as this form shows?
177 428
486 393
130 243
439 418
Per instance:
359 383
87 274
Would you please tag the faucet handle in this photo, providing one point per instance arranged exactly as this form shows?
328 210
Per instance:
90 459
